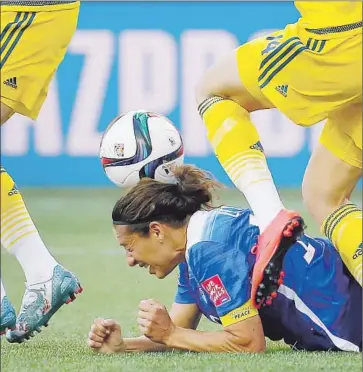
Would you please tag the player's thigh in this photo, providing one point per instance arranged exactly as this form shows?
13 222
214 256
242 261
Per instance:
32 46
6 113
223 79
335 166
328 182
342 133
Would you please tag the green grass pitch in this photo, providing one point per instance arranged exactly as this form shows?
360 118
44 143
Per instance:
75 225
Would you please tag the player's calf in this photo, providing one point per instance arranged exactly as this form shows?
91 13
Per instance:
224 105
327 185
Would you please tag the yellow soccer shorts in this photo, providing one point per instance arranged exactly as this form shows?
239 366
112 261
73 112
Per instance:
310 77
33 44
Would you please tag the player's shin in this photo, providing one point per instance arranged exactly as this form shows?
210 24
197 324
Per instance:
236 143
344 228
19 235
49 285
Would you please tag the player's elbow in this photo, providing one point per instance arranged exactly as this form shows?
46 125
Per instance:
258 346
247 344
255 345
247 335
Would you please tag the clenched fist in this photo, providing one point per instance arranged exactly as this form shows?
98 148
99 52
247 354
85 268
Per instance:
105 336
154 321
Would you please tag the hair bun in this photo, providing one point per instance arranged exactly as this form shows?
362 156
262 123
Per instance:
152 200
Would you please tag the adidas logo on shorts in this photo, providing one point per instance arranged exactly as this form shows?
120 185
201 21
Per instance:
11 83
282 89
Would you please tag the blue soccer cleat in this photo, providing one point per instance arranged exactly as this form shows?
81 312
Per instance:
8 315
41 301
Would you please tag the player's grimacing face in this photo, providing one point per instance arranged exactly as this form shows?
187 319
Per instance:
153 252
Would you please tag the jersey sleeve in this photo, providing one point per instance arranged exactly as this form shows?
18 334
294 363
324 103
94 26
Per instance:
223 274
184 294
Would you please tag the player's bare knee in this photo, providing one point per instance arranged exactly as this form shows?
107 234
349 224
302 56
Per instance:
204 90
321 199
201 92
311 195
221 80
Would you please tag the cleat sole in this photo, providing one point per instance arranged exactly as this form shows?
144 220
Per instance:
273 275
8 328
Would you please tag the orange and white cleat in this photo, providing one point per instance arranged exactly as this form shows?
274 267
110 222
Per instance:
271 248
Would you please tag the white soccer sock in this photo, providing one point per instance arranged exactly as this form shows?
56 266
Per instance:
38 264
236 142
251 175
2 293
260 196
20 237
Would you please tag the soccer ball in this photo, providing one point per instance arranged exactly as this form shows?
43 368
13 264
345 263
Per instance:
140 144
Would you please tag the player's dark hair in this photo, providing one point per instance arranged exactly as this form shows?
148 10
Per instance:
151 200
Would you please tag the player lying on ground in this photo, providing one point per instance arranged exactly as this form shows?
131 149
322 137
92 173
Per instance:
310 71
165 226
34 37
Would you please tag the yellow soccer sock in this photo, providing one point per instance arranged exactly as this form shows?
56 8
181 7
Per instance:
344 228
236 142
19 235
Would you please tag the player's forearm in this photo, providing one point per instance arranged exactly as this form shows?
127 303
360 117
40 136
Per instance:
191 340
143 344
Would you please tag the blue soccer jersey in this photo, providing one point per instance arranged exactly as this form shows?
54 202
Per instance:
319 306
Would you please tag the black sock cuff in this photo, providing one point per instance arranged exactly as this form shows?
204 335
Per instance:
204 106
333 220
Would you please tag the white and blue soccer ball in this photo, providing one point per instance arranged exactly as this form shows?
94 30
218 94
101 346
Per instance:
140 144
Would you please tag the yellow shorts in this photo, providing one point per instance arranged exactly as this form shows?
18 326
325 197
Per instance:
310 79
33 44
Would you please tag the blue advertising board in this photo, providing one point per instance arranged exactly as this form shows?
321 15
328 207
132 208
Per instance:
146 55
